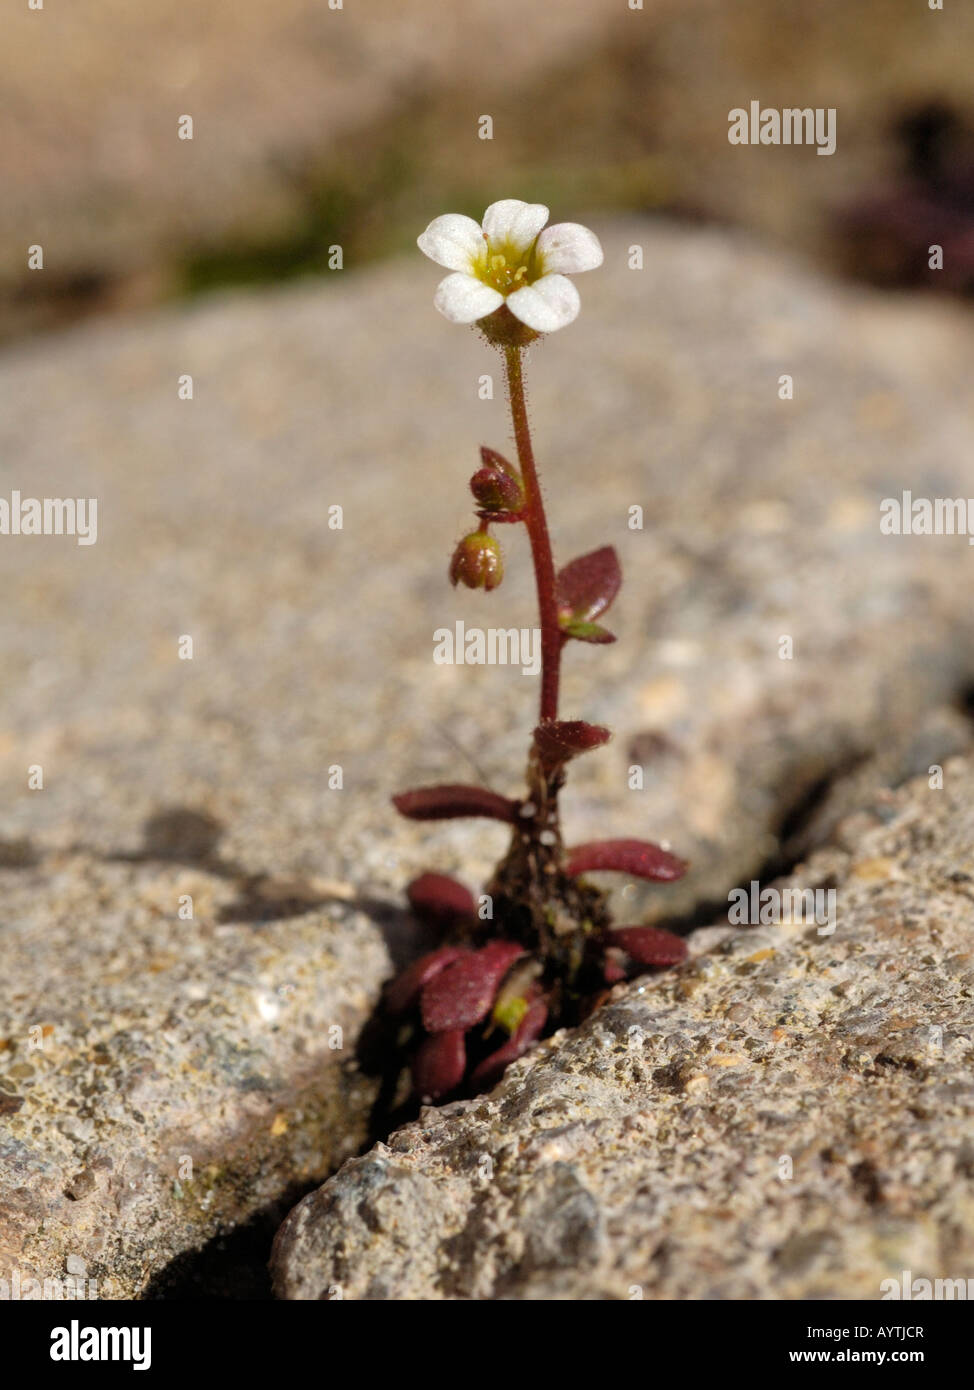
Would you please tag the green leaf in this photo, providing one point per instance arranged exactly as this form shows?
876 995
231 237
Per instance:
584 631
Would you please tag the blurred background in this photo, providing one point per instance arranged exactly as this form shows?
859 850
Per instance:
316 126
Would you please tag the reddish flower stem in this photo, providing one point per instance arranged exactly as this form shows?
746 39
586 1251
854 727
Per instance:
537 524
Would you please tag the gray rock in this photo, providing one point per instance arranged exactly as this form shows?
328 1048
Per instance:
787 1116
313 653
164 1080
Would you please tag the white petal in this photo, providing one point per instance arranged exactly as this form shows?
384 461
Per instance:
465 299
550 303
568 248
513 223
453 241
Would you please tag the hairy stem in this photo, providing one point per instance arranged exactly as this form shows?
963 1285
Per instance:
537 524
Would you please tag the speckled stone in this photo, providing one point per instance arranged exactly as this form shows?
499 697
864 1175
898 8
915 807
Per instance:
163 1080
788 1116
313 657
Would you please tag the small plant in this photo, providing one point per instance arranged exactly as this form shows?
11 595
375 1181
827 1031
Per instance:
546 955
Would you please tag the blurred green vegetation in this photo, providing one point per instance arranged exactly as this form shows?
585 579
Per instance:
575 151
342 210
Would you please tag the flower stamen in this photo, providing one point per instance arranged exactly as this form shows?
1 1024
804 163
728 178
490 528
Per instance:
503 272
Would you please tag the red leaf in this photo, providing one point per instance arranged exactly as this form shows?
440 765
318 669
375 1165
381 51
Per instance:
453 800
460 995
636 857
492 1068
404 990
440 901
587 586
561 739
649 945
439 1065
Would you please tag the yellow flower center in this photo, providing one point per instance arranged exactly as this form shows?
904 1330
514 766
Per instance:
504 269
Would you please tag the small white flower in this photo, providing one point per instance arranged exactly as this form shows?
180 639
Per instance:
510 260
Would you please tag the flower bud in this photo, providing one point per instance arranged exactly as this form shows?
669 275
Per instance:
477 562
496 491
490 458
